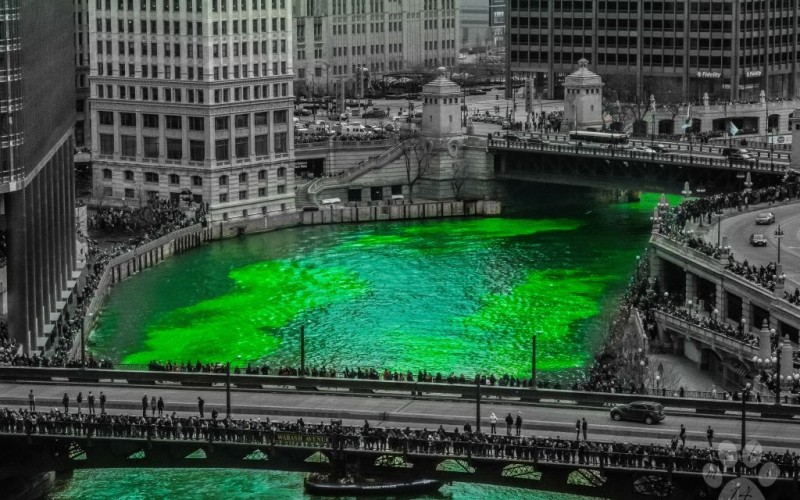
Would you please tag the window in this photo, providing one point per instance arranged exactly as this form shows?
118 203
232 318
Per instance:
174 179
197 180
223 198
242 121
151 147
106 144
222 149
128 143
280 142
150 121
262 192
174 149
280 116
197 151
127 119
129 175
106 173
221 123
261 118
242 147
281 173
108 191
223 180
106 117
243 194
197 124
262 145
150 177
174 122
262 175
282 189
242 177
128 192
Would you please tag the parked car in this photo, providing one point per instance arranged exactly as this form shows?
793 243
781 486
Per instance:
660 148
535 140
765 218
375 113
512 138
734 151
639 411
758 240
642 149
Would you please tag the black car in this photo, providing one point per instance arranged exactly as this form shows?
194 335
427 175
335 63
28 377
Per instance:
639 411
512 138
758 240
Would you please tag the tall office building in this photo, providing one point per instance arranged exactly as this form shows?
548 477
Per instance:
335 38
36 173
192 99
731 50
83 134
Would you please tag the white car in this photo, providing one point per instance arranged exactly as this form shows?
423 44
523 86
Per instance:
642 149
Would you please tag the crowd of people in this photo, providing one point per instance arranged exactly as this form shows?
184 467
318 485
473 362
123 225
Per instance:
462 441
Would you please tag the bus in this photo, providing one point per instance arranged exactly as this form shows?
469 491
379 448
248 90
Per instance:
612 139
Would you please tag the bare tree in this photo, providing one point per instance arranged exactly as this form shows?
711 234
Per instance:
458 179
417 153
632 108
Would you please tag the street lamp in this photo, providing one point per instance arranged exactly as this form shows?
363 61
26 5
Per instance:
719 227
533 361
228 386
653 119
778 236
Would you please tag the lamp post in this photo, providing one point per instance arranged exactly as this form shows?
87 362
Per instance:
302 350
779 236
533 361
228 386
653 119
745 395
719 228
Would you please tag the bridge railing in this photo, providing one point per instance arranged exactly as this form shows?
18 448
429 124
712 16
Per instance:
601 399
626 154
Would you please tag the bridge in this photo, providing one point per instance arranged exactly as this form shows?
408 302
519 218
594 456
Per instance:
701 166
591 468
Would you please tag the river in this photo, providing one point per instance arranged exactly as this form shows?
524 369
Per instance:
460 296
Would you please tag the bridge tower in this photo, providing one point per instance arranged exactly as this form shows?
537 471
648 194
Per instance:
583 95
441 107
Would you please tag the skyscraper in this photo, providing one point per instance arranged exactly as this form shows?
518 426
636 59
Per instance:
36 170
192 99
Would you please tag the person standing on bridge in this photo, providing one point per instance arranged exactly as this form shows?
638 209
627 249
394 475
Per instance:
519 423
90 402
584 427
578 430
153 404
710 436
200 404
65 402
492 422
683 436
160 406
32 400
102 403
509 423
144 405
79 399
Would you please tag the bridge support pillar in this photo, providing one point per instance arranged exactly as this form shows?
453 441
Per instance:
747 313
719 302
691 287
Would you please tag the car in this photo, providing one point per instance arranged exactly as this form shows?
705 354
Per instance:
512 138
660 148
741 158
535 140
303 112
375 113
639 411
758 240
641 149
765 219
734 151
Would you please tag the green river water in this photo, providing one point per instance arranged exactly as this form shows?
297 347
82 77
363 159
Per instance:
460 295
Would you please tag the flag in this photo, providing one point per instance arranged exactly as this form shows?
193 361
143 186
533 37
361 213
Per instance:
732 129
687 123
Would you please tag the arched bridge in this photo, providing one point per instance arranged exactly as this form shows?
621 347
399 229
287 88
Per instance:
562 468
564 163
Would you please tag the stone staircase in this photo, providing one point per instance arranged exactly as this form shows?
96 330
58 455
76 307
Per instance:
308 194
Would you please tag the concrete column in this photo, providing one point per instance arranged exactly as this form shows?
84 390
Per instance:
691 287
764 343
721 305
786 358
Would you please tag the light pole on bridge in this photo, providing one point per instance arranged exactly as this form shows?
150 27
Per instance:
779 236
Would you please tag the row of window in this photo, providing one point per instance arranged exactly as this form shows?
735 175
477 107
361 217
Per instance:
196 180
105 25
176 73
188 5
196 148
167 94
196 123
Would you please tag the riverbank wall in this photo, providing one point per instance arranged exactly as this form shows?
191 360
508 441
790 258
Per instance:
152 253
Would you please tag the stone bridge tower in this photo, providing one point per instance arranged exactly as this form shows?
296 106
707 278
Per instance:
583 96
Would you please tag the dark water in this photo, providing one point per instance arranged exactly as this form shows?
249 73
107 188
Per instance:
459 296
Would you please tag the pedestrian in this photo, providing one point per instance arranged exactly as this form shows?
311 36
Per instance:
32 400
584 427
90 402
153 404
493 423
683 435
710 436
713 392
200 404
578 430
65 402
102 403
144 405
160 406
518 423
79 399
509 423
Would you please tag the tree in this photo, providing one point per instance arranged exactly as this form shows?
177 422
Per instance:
458 179
620 94
417 153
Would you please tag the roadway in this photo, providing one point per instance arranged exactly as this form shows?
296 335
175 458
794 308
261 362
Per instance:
739 227
402 411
